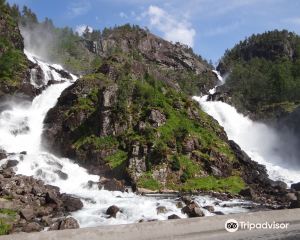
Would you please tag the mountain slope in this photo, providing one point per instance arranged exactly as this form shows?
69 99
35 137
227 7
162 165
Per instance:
264 76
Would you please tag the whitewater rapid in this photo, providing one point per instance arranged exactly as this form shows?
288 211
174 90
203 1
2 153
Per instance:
262 143
21 127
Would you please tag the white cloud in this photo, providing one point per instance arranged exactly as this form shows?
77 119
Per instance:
81 28
79 8
123 15
172 28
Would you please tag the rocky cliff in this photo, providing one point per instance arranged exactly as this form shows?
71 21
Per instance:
14 66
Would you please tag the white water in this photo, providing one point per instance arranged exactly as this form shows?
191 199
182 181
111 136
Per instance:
21 128
260 142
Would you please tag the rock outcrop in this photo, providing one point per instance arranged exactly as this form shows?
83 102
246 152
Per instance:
28 205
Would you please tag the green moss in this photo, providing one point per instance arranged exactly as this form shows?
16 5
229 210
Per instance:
147 181
117 159
233 184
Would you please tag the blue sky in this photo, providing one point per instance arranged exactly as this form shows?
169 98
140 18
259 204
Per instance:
208 26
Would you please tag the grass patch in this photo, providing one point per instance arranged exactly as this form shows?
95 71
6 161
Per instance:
147 181
233 184
116 159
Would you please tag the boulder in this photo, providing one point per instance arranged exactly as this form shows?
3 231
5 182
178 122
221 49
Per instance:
161 209
296 186
11 163
112 211
209 208
32 227
27 214
174 216
248 193
111 185
71 204
192 210
68 223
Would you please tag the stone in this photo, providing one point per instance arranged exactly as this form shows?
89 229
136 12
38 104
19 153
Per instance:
156 118
68 223
71 204
11 163
161 209
27 213
174 216
61 174
296 186
209 208
112 185
248 193
219 213
179 205
192 210
112 211
187 199
32 227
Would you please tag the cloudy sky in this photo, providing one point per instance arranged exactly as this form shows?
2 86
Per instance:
208 26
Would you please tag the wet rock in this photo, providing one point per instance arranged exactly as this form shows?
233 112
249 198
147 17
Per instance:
11 163
179 205
112 185
61 174
32 227
187 199
219 213
291 196
192 210
2 154
156 118
209 208
161 209
278 185
70 203
296 186
174 216
112 211
68 223
248 193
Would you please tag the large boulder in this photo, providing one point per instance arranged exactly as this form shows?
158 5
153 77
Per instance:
112 211
192 210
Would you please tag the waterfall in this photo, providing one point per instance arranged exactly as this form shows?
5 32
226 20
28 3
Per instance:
21 127
260 142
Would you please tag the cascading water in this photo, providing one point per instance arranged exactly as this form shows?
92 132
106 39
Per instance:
259 141
21 129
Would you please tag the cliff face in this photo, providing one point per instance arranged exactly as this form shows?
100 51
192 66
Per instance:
14 73
176 62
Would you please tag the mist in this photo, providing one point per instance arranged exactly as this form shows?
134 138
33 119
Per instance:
277 149
39 40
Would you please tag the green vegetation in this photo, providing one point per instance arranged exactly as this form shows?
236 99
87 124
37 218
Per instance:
13 64
264 72
147 181
117 159
106 142
233 184
7 217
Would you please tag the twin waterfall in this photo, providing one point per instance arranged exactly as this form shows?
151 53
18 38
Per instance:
21 126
